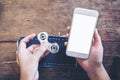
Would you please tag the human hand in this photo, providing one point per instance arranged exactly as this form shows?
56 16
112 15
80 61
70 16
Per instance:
29 60
93 65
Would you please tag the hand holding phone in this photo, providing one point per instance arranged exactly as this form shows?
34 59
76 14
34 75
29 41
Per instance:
81 33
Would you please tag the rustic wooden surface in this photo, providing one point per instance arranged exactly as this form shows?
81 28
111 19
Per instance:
23 17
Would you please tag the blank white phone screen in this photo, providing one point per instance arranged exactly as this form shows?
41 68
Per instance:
81 33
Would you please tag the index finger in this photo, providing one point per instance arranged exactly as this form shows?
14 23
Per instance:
26 40
68 29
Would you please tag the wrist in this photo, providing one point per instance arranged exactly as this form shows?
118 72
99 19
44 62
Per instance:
95 68
98 73
25 75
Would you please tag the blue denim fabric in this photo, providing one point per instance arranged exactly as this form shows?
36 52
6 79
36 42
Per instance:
58 66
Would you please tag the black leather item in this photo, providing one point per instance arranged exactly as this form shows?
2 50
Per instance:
116 67
58 66
58 59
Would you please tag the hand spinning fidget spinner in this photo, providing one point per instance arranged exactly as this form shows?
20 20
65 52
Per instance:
43 37
56 46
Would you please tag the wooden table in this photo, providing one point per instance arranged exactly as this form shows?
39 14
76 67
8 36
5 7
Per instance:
23 17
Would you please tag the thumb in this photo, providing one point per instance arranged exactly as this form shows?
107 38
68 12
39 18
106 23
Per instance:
97 38
39 52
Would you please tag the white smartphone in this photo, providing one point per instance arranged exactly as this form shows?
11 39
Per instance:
81 33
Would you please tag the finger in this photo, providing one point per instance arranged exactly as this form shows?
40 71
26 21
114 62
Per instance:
38 52
93 42
65 43
25 40
68 29
97 38
45 54
36 76
28 38
67 35
81 61
32 47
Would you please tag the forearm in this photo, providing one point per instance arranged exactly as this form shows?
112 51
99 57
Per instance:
26 74
98 74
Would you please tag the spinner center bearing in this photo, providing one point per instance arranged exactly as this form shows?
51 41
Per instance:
43 37
54 48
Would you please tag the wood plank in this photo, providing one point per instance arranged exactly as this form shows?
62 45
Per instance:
111 48
9 69
23 17
110 34
7 50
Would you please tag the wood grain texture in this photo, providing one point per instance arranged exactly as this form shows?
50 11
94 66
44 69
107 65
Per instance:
23 17
9 70
8 50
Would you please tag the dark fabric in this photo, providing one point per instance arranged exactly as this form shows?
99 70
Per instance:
116 68
58 59
58 66
62 74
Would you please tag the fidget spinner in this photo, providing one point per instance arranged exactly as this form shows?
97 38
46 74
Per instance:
57 57
43 38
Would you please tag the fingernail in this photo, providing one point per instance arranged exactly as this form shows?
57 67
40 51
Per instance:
67 34
65 43
68 27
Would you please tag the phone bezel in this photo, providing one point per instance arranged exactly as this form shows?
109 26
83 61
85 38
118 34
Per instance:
87 12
